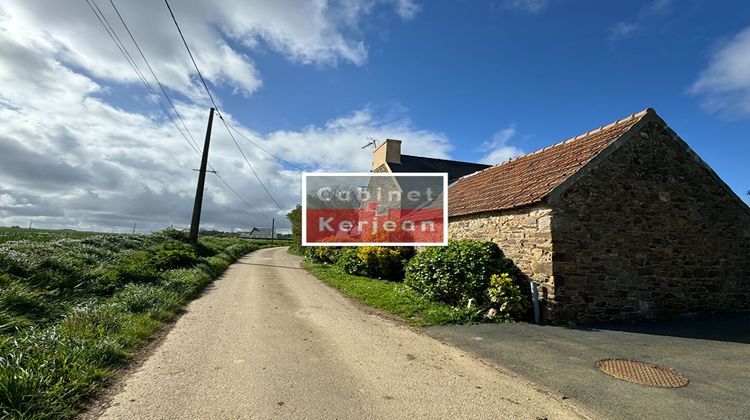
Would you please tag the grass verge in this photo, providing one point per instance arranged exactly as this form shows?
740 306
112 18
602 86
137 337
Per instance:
393 297
74 310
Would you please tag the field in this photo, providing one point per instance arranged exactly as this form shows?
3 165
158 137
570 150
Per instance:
41 235
75 306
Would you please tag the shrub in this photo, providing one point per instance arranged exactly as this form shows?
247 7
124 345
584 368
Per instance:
457 272
506 296
375 261
350 263
384 262
295 218
322 254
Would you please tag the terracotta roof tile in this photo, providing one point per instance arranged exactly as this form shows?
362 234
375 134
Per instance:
528 179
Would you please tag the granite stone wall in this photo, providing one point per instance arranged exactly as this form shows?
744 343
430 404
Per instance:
523 234
649 233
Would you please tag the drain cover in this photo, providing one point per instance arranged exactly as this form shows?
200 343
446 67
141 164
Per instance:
642 373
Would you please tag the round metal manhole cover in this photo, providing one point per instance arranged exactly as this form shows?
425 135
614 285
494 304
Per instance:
642 373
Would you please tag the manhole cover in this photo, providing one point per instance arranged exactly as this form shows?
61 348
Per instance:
642 373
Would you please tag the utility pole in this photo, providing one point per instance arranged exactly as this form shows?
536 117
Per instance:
273 228
134 223
195 224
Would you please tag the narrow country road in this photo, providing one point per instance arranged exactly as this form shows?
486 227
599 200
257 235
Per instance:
270 340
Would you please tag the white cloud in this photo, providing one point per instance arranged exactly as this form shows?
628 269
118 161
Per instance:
621 30
407 9
70 157
497 149
338 144
7 200
304 31
532 7
725 83
648 12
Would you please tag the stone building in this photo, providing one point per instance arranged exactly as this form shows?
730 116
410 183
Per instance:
621 222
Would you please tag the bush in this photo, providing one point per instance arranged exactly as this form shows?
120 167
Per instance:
384 262
457 272
322 254
506 296
295 218
375 261
350 263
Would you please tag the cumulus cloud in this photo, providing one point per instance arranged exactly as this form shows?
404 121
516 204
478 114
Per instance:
725 82
304 31
338 143
72 156
497 149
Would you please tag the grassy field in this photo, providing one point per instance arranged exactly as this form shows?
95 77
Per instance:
75 306
393 297
41 235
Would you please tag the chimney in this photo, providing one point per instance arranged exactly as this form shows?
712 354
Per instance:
388 152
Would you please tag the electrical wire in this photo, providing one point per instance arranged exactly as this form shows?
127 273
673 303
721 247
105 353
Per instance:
123 50
145 60
208 91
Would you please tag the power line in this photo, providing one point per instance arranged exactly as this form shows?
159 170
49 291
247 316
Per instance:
123 50
191 57
208 91
161 86
248 164
262 148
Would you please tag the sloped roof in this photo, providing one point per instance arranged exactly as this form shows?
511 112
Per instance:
454 168
261 232
528 179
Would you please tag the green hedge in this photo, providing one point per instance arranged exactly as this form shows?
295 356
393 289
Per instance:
375 261
457 272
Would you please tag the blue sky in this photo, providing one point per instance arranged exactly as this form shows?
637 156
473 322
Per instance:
470 69
476 80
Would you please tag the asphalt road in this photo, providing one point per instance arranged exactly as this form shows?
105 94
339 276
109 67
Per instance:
269 340
713 352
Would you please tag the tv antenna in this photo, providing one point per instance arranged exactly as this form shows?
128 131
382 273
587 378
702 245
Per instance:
372 141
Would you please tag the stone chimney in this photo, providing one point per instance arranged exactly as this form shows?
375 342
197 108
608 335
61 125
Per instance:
388 152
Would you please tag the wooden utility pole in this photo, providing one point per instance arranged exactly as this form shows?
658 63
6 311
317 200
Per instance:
273 228
196 222
134 223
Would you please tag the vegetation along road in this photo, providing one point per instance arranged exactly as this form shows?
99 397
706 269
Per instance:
268 339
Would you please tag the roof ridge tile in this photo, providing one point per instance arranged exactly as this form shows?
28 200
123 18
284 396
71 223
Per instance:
557 163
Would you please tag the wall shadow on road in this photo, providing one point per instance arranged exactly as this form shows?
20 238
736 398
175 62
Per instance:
729 327
270 265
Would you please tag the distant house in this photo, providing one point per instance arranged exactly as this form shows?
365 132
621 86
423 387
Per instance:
259 233
622 222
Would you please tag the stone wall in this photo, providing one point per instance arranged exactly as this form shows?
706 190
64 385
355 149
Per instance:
648 233
523 234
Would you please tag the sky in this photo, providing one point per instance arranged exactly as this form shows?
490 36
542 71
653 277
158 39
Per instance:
84 145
